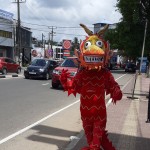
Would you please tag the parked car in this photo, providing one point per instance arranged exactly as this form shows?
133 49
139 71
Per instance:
40 68
70 64
130 67
9 65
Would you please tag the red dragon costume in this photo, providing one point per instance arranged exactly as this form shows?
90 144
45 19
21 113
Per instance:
92 81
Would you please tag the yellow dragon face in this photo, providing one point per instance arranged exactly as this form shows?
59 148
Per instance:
93 50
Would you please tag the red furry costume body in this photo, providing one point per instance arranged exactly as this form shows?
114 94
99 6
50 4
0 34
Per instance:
92 84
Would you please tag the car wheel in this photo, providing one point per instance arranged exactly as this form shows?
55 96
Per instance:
26 77
18 71
4 71
47 76
55 85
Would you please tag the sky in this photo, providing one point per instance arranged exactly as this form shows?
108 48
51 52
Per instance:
63 15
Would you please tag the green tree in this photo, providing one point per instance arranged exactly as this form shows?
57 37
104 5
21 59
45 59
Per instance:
129 33
75 45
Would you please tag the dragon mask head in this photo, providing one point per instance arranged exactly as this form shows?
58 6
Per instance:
94 51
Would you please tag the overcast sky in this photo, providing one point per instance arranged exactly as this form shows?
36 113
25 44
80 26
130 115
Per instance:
64 15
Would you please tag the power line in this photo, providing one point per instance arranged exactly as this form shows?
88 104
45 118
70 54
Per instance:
76 27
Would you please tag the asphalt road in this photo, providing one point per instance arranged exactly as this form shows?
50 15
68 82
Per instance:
23 102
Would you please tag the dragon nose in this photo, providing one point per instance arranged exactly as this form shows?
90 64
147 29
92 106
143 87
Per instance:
93 49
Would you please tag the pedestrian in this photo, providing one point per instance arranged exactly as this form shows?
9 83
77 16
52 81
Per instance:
92 80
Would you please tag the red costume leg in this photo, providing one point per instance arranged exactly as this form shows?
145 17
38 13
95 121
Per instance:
88 129
97 135
85 148
93 131
106 144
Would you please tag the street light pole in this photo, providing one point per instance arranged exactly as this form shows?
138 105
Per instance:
143 47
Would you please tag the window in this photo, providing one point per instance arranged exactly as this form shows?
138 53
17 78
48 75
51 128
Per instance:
5 34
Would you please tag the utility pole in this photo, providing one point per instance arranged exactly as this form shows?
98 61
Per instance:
43 43
52 35
48 40
18 25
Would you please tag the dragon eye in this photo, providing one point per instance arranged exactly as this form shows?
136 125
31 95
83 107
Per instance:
99 43
87 44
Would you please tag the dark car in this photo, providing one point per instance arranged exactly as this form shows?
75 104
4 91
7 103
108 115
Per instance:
130 67
70 64
40 68
9 65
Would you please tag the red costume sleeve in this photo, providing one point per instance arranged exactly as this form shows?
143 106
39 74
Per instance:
113 88
71 84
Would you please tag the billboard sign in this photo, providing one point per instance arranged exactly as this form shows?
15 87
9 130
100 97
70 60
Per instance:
66 44
6 15
66 48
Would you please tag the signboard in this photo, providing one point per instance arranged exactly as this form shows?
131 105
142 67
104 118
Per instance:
6 15
144 64
66 53
66 48
66 44
37 52
49 53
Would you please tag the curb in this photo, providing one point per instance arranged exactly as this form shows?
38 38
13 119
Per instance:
14 75
74 140
2 76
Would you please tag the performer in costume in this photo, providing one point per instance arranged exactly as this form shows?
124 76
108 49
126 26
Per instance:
92 81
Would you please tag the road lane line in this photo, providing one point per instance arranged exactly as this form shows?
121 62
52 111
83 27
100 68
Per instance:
36 123
45 84
40 121
121 76
110 100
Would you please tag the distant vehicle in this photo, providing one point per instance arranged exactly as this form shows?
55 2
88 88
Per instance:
113 66
130 67
40 68
9 65
70 64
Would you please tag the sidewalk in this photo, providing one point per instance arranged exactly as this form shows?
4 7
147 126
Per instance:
126 123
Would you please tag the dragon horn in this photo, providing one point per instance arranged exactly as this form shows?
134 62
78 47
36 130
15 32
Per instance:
89 32
102 31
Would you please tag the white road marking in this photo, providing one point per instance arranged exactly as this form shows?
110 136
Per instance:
45 84
110 100
45 118
36 123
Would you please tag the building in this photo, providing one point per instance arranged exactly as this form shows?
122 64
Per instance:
24 52
6 34
98 26
9 39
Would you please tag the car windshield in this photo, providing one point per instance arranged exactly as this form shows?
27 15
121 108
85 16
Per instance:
70 63
39 62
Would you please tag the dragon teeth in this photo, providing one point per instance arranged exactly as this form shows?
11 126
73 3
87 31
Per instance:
89 59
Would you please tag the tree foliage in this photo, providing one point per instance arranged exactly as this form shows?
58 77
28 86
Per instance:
129 33
75 45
